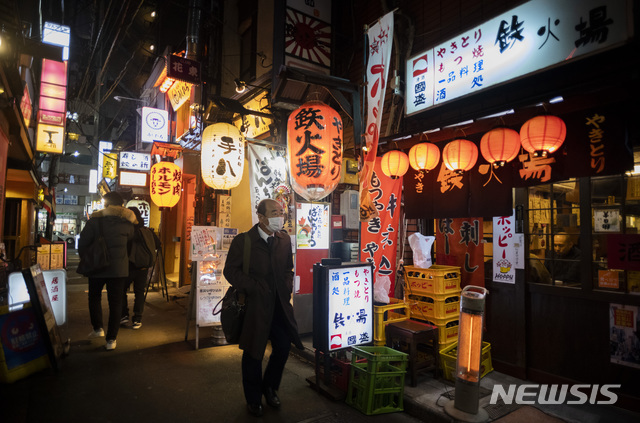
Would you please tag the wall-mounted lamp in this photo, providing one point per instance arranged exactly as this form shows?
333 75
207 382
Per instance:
241 86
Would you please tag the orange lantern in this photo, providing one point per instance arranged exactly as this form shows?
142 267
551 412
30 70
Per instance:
543 135
460 155
222 156
314 134
166 184
424 156
394 164
500 145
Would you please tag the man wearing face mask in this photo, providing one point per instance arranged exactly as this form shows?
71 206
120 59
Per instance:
269 314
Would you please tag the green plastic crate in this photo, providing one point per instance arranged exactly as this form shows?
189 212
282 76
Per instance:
376 357
376 392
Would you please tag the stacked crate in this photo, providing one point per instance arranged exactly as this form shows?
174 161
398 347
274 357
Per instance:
434 296
376 384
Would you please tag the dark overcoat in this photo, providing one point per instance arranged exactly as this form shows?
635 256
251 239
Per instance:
261 293
117 228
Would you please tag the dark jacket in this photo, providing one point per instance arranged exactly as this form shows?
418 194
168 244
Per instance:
261 293
117 229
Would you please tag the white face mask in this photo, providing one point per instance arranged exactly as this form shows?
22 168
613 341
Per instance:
275 223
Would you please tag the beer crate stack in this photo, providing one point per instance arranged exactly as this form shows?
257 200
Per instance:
434 296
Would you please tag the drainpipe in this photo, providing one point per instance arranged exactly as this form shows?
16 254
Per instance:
194 23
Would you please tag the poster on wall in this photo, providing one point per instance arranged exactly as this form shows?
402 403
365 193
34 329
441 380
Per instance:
379 235
312 226
269 178
458 243
508 249
205 242
624 336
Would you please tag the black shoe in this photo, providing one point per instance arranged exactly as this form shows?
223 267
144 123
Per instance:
272 397
255 409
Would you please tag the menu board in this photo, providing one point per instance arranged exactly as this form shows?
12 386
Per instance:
343 306
211 287
205 241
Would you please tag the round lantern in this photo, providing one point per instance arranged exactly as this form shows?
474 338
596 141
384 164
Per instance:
143 207
460 155
222 156
543 134
394 164
500 145
424 156
166 184
314 139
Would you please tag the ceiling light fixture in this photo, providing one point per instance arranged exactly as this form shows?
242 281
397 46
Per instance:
241 86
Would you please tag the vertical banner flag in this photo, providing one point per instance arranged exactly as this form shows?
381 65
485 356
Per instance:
379 236
459 243
504 266
269 178
380 37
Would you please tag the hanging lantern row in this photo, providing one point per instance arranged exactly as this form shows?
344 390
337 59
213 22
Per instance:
314 139
222 156
539 136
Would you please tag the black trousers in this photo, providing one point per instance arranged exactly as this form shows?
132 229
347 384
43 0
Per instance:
115 288
253 381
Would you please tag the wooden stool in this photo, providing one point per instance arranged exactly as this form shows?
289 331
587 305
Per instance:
412 334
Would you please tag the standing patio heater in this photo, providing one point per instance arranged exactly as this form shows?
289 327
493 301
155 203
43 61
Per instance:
465 405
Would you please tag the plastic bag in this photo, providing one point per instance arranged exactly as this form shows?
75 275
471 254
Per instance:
381 288
421 246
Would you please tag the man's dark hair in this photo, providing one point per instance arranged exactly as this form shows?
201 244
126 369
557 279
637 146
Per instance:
113 199
262 206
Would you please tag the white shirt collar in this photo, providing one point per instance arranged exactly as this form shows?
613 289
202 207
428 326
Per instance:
263 234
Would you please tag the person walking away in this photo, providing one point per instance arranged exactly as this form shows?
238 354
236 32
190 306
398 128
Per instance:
116 224
269 314
138 275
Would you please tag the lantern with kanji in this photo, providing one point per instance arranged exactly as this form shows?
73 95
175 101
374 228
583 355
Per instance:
543 135
424 156
500 145
166 184
394 164
314 134
222 156
460 155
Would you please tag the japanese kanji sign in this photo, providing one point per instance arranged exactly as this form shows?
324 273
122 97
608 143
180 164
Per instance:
379 235
459 243
504 260
533 36
135 161
350 317
183 69
623 251
166 184
312 225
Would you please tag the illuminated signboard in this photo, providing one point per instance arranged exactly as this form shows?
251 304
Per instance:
534 36
50 139
255 125
57 35
155 125
132 179
103 147
183 69
166 149
93 181
110 166
135 161
343 306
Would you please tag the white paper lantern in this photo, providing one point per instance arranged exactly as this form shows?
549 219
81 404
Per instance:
222 156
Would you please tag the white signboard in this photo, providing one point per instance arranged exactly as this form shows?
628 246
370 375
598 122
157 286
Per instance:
312 226
531 37
606 220
504 250
211 288
135 161
133 179
155 125
205 242
56 282
350 306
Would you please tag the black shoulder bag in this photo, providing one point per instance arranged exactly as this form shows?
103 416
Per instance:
95 257
234 302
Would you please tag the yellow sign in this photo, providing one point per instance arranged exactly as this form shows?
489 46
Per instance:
255 125
179 93
50 139
110 166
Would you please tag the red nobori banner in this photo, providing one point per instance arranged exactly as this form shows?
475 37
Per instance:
459 243
379 236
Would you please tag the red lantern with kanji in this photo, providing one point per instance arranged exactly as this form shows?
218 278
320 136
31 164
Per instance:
424 156
222 156
543 135
500 145
166 184
460 155
394 164
314 139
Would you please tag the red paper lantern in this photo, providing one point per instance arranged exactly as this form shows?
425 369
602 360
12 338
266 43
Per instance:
166 184
543 134
394 164
460 155
500 145
424 156
314 138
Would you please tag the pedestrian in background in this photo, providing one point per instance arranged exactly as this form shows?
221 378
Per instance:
116 225
269 314
138 275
